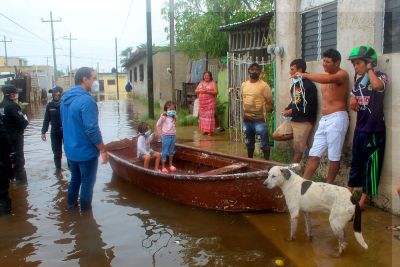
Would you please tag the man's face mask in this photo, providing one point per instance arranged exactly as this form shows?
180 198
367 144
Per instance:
95 86
254 73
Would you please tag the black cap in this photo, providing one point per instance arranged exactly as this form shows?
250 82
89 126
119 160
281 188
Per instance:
9 89
56 89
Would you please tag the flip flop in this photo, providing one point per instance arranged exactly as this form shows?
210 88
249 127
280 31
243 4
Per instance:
393 227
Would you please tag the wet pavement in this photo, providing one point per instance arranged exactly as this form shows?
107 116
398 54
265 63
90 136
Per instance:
130 227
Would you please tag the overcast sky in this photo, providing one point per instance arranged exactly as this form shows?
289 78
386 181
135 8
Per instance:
94 23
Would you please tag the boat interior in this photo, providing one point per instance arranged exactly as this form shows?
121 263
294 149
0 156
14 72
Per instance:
191 161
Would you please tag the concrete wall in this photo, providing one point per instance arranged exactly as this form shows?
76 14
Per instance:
139 87
358 23
161 77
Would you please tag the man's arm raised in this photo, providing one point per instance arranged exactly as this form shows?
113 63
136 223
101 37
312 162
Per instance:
325 78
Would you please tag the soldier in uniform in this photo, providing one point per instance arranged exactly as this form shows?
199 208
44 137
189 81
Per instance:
6 172
15 123
52 116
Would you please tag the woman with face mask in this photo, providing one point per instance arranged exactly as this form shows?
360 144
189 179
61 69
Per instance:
207 91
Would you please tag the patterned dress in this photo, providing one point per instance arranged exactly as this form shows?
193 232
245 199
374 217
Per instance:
207 105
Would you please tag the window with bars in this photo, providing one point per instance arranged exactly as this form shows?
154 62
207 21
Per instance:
391 38
130 75
135 74
319 31
110 82
141 72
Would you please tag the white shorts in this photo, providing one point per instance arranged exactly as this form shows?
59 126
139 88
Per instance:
330 135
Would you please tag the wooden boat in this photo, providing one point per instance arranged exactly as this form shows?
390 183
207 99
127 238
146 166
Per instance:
204 179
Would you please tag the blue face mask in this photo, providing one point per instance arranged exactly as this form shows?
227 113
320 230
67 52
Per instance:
171 113
148 133
364 81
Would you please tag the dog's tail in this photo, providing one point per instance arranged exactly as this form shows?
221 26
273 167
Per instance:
357 224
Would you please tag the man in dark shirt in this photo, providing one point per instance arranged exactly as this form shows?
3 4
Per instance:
300 115
15 122
53 117
366 98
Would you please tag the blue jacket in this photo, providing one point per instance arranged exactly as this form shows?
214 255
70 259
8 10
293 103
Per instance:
79 116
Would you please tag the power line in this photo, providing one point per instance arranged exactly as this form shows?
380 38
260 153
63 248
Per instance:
127 16
22 27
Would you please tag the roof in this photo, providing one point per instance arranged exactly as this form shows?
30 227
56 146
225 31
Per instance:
137 55
142 52
260 19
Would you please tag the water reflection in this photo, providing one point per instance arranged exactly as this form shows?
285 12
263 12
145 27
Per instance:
17 244
191 236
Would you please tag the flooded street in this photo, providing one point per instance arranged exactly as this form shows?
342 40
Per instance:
130 227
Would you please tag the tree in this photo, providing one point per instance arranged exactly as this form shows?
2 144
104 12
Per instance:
113 70
197 22
125 54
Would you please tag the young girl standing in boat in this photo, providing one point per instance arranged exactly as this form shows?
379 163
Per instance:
143 146
166 127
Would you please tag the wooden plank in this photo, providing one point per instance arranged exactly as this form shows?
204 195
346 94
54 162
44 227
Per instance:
226 169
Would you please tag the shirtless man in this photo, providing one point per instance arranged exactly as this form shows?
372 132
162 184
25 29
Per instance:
334 122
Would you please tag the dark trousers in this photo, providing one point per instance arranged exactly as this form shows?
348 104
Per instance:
6 173
19 158
56 146
366 164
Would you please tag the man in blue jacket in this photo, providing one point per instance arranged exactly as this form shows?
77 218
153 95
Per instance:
82 138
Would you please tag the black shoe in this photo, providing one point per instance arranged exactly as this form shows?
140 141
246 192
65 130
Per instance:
266 152
250 152
5 206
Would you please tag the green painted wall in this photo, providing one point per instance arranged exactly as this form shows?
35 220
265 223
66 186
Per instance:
222 106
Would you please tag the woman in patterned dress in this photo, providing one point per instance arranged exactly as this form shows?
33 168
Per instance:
207 91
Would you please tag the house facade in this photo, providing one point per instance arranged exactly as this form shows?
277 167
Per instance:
136 72
306 28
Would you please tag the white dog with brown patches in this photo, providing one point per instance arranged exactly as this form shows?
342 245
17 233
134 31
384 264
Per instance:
307 196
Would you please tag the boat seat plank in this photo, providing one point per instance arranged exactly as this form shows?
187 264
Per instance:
226 169
196 158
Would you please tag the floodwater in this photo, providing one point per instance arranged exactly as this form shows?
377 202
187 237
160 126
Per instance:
130 227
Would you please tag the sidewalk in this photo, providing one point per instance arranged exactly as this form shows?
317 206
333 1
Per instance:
384 249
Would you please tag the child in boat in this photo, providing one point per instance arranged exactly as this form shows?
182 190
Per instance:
143 146
166 127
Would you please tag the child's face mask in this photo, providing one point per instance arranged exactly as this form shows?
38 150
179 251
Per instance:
171 113
148 133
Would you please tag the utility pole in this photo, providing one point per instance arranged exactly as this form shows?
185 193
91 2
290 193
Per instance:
149 60
172 46
5 47
70 56
116 66
52 39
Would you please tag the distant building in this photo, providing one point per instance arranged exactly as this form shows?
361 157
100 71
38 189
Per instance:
108 86
13 61
136 71
41 78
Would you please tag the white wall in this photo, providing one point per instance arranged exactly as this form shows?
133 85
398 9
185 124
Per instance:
359 23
